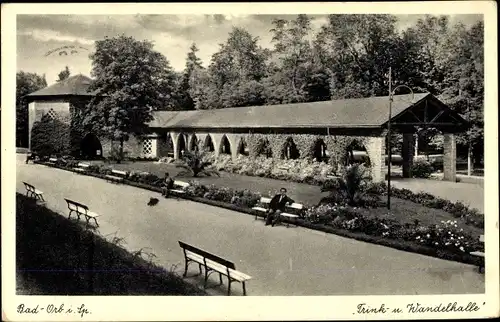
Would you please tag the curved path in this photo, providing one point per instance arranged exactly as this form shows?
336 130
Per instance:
282 261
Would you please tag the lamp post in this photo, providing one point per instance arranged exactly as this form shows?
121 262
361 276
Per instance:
389 152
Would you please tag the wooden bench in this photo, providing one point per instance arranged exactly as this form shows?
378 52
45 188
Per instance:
81 209
116 176
213 263
82 167
181 185
32 192
266 201
480 254
52 161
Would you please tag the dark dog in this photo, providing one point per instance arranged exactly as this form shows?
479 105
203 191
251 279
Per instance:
31 157
153 202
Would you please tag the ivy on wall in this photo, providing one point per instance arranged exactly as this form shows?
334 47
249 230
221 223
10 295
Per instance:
258 144
50 137
306 144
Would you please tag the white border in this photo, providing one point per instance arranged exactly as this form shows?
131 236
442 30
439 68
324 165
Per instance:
247 308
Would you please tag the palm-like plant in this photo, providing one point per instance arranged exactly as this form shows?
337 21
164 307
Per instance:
349 185
194 165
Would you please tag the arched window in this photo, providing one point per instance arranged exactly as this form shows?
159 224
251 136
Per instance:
290 150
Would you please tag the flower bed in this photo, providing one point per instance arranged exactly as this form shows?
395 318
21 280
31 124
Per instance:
444 240
309 171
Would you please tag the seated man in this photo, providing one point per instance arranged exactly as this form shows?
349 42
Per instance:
277 206
168 183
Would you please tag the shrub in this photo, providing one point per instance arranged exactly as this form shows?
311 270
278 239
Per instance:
351 189
422 169
50 137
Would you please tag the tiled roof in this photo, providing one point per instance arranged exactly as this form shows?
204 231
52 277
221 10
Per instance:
359 112
74 85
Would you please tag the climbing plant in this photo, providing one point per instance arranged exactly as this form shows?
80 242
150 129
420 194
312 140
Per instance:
257 144
50 137
306 144
336 146
277 144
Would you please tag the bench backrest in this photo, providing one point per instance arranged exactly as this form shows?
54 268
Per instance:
265 200
181 183
29 187
83 165
76 206
53 159
120 172
207 255
297 206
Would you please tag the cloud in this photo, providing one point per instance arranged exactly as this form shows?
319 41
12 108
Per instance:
46 35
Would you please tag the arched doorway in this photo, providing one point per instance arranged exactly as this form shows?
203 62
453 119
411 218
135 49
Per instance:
356 153
90 147
209 144
290 150
193 145
181 145
225 146
242 147
320 151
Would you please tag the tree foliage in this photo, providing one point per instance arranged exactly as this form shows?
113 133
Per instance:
193 63
26 83
131 80
64 74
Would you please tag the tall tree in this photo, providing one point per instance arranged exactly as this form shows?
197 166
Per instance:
26 83
295 74
186 101
64 74
235 72
357 51
131 80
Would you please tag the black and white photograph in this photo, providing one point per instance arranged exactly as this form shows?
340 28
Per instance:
196 153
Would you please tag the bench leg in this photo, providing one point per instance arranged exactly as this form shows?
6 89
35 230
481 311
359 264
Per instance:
69 216
206 278
199 266
228 286
244 288
97 225
185 267
220 278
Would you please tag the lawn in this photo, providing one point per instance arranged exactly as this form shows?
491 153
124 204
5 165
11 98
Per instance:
403 211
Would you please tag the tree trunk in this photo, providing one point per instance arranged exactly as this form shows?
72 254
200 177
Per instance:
121 151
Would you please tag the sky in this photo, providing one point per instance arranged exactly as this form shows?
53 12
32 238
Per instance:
39 36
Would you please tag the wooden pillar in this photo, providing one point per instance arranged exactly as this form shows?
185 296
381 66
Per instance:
407 154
